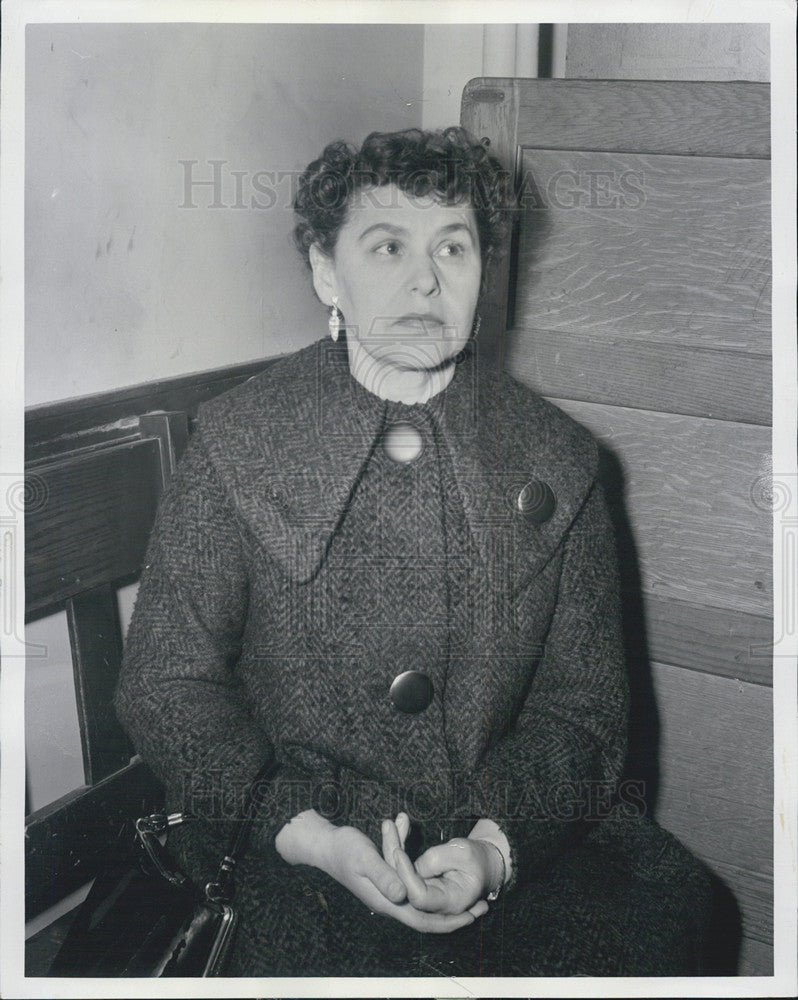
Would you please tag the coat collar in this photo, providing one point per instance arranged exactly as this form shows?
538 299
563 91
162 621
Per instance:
290 445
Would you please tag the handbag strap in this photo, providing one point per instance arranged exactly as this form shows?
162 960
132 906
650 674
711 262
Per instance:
222 888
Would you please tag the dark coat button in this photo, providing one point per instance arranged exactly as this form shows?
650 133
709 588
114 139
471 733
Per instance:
536 501
411 691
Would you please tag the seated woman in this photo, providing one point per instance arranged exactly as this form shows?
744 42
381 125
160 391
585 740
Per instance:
388 570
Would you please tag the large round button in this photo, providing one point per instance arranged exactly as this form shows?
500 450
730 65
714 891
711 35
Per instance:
536 501
411 691
403 442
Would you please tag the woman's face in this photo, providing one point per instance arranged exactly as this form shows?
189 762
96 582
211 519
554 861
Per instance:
407 273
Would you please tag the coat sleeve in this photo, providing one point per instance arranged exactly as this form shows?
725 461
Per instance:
557 767
178 694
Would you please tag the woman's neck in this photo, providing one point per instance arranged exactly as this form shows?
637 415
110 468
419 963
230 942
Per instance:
400 385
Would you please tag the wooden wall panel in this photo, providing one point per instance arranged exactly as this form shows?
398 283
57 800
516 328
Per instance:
716 781
639 118
725 385
639 301
687 118
697 51
490 111
756 958
673 250
714 640
689 492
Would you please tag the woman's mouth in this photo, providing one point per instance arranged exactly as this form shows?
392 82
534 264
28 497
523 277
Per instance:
423 321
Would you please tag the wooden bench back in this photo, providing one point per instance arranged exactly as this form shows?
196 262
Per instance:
637 298
95 469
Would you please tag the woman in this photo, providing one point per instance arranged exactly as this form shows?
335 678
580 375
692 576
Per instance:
388 570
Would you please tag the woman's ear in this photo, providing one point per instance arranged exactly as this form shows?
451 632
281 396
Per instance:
323 274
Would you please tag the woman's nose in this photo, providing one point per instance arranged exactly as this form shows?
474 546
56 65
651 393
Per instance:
423 277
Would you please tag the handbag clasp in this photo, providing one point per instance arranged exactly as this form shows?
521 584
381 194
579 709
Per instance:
149 829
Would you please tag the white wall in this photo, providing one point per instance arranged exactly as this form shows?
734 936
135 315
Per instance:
125 281
124 285
452 57
456 53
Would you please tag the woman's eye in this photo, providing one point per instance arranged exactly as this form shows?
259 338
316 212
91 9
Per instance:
451 250
391 248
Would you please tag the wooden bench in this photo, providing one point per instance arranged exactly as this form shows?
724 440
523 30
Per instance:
95 469
637 298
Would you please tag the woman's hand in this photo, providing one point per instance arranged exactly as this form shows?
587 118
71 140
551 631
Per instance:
354 861
348 856
449 878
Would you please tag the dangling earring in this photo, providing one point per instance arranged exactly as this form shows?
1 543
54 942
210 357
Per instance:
334 321
477 325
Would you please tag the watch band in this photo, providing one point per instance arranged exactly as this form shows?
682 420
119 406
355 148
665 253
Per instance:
494 895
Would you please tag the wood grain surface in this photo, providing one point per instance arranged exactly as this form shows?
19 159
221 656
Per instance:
90 520
713 640
68 841
756 958
683 117
648 375
716 781
690 488
673 250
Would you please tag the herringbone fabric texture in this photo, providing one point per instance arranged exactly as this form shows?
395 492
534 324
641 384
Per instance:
296 569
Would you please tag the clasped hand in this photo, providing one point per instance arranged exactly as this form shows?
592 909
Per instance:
441 893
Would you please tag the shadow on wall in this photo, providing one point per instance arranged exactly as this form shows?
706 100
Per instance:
643 764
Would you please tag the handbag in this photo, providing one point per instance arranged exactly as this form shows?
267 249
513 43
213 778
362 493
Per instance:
143 916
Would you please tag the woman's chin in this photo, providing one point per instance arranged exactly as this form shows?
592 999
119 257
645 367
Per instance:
416 357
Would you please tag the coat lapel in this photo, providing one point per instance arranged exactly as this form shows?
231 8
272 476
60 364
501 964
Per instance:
502 436
293 441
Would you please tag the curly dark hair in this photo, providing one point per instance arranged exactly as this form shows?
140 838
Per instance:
450 165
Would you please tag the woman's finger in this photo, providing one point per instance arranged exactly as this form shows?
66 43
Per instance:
436 861
403 828
431 923
454 855
404 869
384 878
391 840
479 909
420 920
421 894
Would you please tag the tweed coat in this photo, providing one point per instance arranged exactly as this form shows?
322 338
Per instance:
295 570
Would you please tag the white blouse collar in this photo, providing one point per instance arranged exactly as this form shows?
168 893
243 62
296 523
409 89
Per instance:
389 383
